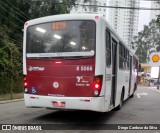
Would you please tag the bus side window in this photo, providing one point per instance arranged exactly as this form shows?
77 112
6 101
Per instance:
108 49
127 60
120 56
135 63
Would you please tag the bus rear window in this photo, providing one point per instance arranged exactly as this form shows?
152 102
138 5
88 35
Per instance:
62 36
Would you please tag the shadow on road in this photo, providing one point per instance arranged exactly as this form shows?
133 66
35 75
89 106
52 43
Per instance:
78 117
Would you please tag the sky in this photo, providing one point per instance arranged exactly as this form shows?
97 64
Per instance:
144 15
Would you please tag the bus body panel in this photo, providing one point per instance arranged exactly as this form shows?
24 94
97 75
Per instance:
74 103
65 78
123 81
24 51
134 80
100 54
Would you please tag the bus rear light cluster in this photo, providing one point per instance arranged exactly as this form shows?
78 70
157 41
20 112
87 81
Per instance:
97 85
25 84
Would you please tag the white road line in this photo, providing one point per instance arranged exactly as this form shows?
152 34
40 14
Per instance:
140 94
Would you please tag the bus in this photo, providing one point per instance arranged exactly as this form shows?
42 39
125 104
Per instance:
76 62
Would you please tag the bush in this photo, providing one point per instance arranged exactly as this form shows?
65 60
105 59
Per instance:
5 85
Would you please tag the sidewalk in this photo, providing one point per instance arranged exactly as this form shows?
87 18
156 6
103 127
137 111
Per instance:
9 101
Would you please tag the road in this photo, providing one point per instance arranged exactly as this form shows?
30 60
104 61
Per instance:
143 108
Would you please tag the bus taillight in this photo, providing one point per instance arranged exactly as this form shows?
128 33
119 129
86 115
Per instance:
25 84
97 85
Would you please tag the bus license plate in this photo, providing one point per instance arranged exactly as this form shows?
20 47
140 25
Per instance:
58 104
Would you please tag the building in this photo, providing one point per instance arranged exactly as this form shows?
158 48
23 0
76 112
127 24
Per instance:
154 13
84 9
123 21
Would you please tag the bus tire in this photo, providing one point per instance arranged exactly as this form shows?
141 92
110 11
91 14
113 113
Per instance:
121 101
131 96
135 88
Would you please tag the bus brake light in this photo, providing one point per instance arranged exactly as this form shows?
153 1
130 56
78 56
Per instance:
97 85
25 84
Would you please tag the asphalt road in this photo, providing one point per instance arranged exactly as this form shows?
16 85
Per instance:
143 108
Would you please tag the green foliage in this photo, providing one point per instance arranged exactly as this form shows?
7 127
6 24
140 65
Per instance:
13 15
6 85
147 41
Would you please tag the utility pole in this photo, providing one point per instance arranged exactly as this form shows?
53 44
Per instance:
11 73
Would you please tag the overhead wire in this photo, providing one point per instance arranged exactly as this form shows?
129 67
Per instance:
2 29
118 7
13 10
18 9
11 32
11 39
43 12
12 15
130 0
151 0
7 19
12 24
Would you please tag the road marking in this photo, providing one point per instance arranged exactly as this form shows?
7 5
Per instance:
140 94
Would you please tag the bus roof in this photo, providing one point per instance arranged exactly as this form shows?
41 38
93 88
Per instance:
63 17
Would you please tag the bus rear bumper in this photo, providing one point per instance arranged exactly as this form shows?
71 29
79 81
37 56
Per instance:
74 103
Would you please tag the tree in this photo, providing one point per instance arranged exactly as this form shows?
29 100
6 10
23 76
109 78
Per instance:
12 18
147 41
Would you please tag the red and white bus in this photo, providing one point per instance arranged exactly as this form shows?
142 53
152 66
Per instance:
78 62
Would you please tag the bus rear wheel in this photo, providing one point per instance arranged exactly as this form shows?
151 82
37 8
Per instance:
121 101
135 88
131 96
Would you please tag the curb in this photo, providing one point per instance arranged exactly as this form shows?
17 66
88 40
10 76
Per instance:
9 101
